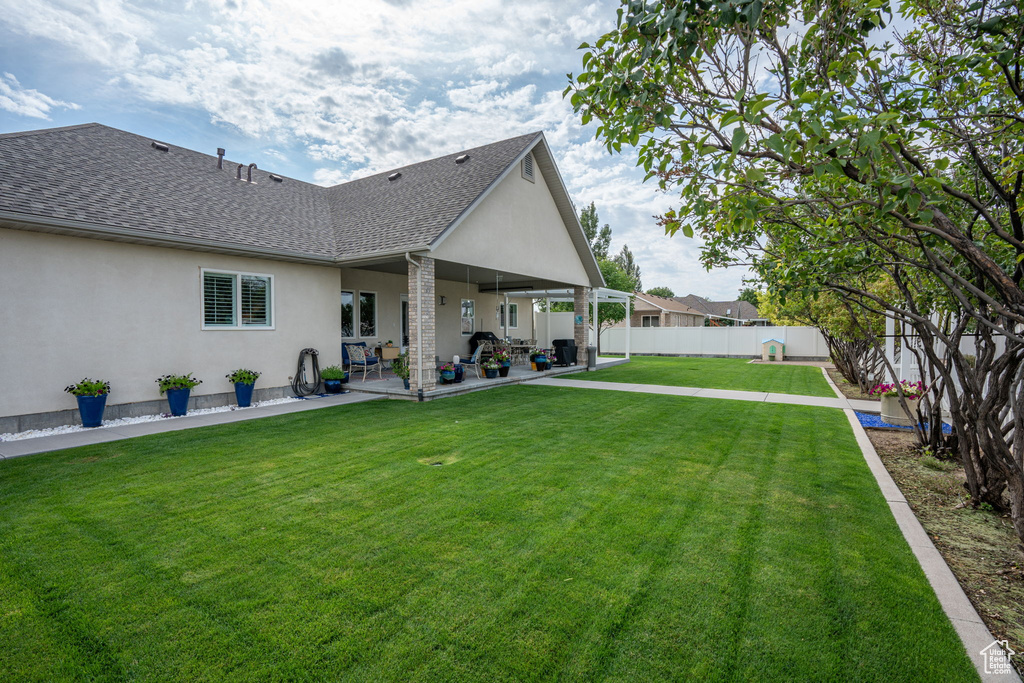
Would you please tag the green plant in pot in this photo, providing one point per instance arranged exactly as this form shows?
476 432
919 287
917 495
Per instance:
504 360
333 376
244 381
178 388
447 372
491 368
400 366
92 399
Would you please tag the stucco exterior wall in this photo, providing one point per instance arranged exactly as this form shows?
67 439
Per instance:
73 307
517 229
448 332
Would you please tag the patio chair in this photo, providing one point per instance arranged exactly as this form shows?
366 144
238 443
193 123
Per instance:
345 362
476 359
362 357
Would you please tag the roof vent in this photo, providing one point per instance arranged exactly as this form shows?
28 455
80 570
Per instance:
159 146
220 157
528 167
462 159
395 176
276 178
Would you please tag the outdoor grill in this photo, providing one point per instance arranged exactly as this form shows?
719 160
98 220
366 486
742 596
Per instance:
565 351
481 337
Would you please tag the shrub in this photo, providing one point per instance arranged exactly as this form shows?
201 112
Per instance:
186 381
243 376
88 387
332 372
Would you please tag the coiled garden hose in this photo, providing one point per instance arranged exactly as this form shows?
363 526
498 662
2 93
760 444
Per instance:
300 386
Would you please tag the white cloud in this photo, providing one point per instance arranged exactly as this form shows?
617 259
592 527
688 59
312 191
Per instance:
27 102
341 90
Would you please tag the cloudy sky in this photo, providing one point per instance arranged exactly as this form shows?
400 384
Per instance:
329 91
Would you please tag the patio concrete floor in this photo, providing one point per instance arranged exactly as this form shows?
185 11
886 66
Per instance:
392 387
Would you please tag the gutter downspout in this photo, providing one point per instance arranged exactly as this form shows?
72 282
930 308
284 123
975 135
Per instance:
419 324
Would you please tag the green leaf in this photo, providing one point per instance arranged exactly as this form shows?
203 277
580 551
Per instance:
739 138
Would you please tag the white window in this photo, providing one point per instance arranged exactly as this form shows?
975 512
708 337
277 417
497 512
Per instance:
367 314
468 317
650 321
237 301
348 314
513 315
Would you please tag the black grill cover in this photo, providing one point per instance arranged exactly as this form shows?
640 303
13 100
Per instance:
475 340
565 351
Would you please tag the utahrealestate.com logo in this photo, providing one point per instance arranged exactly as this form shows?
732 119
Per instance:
997 657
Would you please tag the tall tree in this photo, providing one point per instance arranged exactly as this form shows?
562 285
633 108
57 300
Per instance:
750 295
625 260
800 143
608 314
600 238
661 291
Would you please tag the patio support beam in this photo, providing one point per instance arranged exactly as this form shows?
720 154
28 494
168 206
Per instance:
579 327
595 330
628 328
422 323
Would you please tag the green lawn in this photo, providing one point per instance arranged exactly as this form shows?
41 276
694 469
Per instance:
664 538
714 373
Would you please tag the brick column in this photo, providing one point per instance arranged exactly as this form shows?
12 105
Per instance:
579 331
422 322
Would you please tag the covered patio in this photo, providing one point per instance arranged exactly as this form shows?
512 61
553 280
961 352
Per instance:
392 386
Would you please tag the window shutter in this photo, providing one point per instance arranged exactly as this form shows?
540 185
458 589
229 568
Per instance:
255 300
528 167
219 299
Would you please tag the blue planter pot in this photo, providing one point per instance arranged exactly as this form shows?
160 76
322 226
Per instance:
448 377
243 394
91 409
333 386
405 383
459 373
177 399
490 374
542 362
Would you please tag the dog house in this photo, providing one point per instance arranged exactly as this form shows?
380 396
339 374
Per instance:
772 349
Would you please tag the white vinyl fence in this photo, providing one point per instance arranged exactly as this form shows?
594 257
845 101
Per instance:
561 327
740 342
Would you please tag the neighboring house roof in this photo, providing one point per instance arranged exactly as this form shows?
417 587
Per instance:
737 310
664 303
106 182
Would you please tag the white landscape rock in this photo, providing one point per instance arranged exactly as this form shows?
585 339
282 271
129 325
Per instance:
70 429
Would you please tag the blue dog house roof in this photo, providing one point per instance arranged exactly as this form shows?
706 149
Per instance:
772 339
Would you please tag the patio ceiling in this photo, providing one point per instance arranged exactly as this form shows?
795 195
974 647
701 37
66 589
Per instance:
489 280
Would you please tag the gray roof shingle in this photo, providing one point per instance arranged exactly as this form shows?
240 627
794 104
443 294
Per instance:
740 310
376 214
112 178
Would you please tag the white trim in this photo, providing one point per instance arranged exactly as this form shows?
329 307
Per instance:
238 326
359 314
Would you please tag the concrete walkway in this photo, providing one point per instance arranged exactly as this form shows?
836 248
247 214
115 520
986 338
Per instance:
841 402
86 437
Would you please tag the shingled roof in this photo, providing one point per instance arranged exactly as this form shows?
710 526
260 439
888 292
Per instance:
666 303
376 214
96 179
